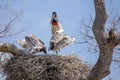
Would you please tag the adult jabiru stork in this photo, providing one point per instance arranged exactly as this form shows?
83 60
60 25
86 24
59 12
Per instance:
56 27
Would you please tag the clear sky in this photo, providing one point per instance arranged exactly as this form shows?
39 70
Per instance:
36 18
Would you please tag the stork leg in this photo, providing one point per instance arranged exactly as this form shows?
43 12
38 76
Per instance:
57 52
44 50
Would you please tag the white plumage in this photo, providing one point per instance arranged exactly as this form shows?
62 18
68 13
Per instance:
59 42
56 27
34 41
37 44
60 30
32 44
56 38
23 43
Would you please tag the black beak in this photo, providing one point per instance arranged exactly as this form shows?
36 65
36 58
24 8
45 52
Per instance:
44 50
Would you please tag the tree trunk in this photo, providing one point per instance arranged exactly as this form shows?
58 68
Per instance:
101 68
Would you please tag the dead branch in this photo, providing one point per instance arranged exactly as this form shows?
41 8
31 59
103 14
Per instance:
118 61
6 35
6 29
10 48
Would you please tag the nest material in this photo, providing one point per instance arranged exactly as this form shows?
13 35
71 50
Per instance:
45 67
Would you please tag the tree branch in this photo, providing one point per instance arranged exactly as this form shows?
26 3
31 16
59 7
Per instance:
6 35
6 28
118 61
10 48
117 38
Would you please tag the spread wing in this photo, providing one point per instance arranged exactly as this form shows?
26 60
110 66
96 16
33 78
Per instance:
34 41
36 44
54 40
65 41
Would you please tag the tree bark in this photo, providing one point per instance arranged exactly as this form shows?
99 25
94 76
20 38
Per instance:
101 68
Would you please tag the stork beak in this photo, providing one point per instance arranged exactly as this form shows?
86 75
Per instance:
44 50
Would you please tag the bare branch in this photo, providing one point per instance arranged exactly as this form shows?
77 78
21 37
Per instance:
6 35
118 61
3 33
11 21
79 42
10 48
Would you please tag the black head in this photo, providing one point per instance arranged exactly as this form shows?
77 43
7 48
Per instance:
54 14
54 17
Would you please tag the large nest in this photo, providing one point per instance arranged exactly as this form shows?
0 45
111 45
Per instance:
44 67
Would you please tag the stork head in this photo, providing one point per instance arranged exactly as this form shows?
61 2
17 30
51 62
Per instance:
54 18
54 14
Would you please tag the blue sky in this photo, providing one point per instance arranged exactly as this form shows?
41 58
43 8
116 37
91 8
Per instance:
36 17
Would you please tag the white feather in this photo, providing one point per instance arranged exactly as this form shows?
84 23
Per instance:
61 41
36 43
23 43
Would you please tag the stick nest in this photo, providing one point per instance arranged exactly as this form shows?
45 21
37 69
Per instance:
44 67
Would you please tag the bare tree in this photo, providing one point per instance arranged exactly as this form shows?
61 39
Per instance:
106 48
113 23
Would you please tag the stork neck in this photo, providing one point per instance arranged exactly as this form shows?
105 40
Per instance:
54 23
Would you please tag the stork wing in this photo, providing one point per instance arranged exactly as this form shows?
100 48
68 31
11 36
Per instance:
65 41
62 43
41 42
29 41
34 41
56 38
